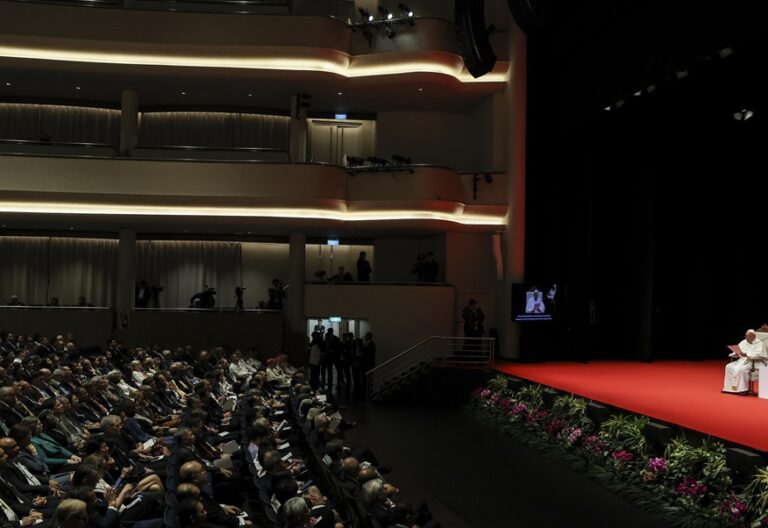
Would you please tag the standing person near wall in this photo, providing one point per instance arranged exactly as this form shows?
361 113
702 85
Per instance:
473 324
363 268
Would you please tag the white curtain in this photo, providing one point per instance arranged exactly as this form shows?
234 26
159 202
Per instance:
214 129
83 267
182 268
38 268
59 123
24 269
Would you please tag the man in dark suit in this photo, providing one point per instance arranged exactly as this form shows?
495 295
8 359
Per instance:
143 295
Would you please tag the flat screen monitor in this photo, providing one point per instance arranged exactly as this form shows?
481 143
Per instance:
530 302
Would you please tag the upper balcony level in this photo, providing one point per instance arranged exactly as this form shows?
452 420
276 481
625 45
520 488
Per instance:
62 52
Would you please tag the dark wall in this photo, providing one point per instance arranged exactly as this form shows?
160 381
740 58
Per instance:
650 214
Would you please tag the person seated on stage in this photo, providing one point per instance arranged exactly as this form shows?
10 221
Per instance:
737 372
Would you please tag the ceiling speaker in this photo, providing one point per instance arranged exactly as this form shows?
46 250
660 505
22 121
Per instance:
472 35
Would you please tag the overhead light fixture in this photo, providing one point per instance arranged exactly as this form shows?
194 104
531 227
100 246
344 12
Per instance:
405 10
725 52
250 95
651 88
743 115
354 161
681 74
339 116
374 160
7 84
339 93
607 108
421 89
183 93
638 93
365 16
385 13
77 88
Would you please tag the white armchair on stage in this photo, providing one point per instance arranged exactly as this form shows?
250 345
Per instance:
742 373
759 370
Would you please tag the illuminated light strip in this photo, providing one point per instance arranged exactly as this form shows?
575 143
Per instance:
346 68
249 212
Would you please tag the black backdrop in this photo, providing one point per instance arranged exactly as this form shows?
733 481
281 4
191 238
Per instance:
652 215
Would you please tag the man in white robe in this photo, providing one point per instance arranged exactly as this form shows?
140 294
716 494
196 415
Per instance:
737 372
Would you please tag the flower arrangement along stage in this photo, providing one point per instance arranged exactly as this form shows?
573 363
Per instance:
685 485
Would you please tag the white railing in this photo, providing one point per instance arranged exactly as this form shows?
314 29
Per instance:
439 352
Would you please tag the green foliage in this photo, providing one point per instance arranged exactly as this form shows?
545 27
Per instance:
705 463
498 384
531 395
625 432
757 490
570 408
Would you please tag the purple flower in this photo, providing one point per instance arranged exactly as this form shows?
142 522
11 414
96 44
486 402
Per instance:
518 409
691 487
734 507
623 456
485 393
657 465
574 435
554 427
537 416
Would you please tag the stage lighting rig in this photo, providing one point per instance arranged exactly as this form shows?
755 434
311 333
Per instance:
385 13
378 162
354 161
365 15
405 11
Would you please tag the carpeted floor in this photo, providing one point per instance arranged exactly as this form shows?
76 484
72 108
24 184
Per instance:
475 477
686 393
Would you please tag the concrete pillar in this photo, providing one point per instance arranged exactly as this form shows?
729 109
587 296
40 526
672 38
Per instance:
129 121
299 131
514 243
126 275
295 298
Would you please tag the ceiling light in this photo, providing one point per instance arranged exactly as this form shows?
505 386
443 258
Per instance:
607 108
7 84
340 93
77 88
638 93
681 74
250 95
183 93
405 10
723 53
651 88
385 13
421 89
743 114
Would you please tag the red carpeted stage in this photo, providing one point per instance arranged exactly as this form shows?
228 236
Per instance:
686 393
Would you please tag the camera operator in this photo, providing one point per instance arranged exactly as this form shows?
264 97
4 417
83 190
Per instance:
239 297
276 295
203 299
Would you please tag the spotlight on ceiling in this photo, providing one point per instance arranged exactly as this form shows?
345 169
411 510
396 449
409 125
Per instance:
681 74
743 115
365 15
385 13
401 160
607 108
405 11
638 93
723 53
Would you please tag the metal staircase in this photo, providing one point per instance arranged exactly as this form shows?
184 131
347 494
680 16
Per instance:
435 352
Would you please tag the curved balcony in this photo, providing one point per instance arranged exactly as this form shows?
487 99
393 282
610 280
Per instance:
265 196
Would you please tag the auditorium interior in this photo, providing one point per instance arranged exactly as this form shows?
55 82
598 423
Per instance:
380 264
